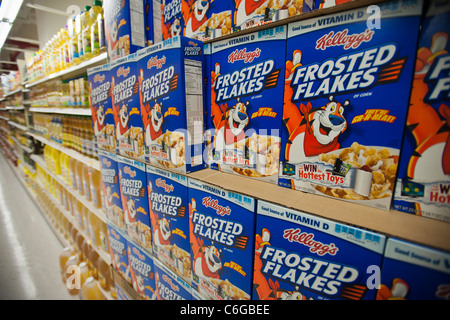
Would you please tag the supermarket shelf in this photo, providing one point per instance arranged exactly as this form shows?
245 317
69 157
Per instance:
13 92
18 126
413 228
4 118
15 108
72 71
68 111
95 164
98 212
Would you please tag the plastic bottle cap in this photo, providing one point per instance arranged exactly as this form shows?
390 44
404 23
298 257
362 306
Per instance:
97 3
86 8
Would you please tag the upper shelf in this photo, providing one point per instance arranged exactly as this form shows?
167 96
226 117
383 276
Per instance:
73 71
69 111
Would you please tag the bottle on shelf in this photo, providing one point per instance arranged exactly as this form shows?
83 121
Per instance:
63 257
95 185
97 28
91 291
86 23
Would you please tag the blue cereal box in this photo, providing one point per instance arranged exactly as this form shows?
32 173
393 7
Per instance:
171 102
112 203
168 202
423 180
172 22
169 286
118 249
222 226
101 108
302 257
133 188
250 13
414 272
124 27
346 97
125 107
245 113
142 271
152 22
206 20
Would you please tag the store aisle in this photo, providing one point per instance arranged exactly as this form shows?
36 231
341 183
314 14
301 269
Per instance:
29 249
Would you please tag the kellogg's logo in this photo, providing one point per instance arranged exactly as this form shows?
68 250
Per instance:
169 281
155 62
138 254
307 239
162 183
214 204
122 71
244 55
341 38
99 78
128 170
106 162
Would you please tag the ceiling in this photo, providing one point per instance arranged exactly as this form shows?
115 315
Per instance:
24 27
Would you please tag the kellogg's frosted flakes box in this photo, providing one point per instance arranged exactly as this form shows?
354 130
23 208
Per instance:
168 201
323 4
133 188
414 272
153 33
112 203
207 19
302 257
124 27
142 271
244 116
101 108
423 180
171 102
169 286
346 96
118 246
172 22
222 226
251 13
126 109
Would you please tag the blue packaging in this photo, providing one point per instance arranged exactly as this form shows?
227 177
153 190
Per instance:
168 203
172 23
118 249
222 226
206 20
133 189
245 113
250 13
125 107
346 98
112 203
423 180
153 32
171 101
302 257
414 272
169 286
124 27
101 109
142 271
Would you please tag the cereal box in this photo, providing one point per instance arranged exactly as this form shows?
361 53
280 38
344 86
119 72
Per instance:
118 246
346 97
222 241
153 33
302 257
207 19
171 101
323 4
112 203
423 180
172 22
101 108
142 271
168 201
414 272
169 286
133 188
124 27
244 117
251 13
125 107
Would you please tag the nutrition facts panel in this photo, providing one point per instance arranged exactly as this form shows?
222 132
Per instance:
194 103
137 23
